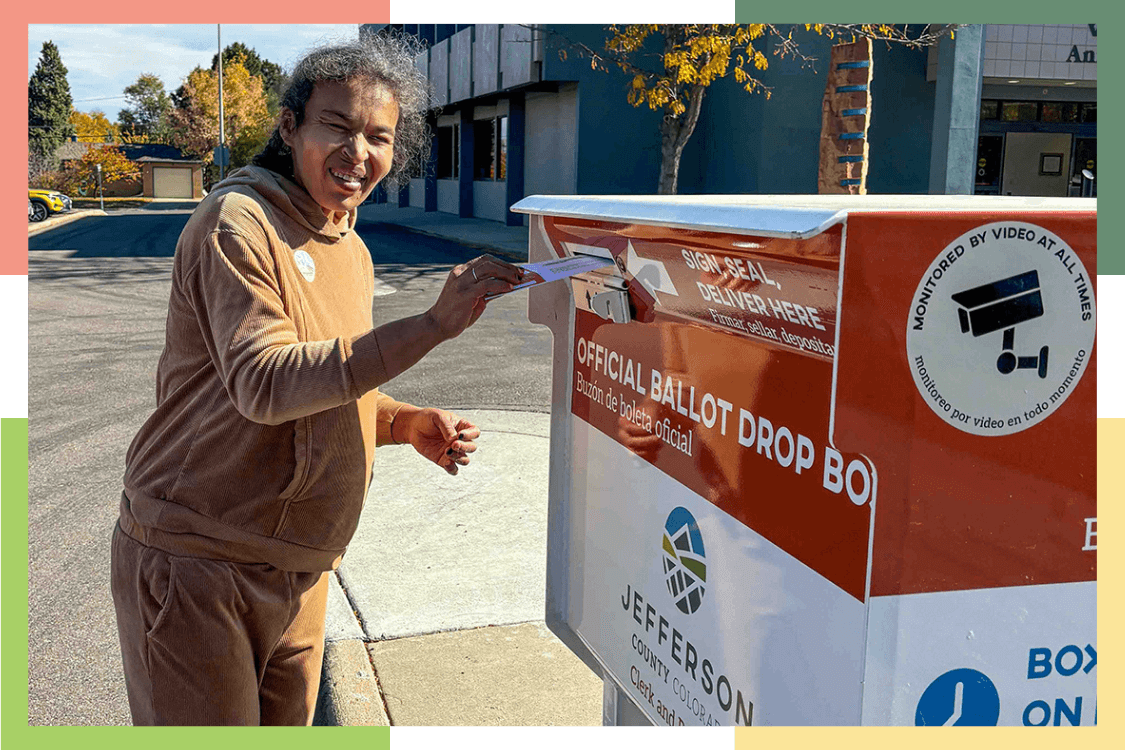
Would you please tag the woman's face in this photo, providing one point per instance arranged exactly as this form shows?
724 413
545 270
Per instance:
345 144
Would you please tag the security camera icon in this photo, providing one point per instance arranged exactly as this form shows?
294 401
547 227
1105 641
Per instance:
1001 306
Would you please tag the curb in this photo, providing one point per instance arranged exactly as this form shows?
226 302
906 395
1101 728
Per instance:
349 694
52 222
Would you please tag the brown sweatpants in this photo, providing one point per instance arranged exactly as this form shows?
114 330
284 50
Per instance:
210 642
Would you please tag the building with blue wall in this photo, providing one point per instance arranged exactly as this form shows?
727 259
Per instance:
1000 110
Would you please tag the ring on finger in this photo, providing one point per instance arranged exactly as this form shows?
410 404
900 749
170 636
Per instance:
475 275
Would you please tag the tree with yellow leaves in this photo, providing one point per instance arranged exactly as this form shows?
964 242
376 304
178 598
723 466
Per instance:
93 127
80 176
670 66
195 125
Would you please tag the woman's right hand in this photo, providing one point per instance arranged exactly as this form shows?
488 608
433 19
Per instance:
462 301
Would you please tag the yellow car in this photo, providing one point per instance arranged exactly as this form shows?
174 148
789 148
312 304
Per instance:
46 202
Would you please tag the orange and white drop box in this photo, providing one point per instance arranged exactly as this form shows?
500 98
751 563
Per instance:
825 460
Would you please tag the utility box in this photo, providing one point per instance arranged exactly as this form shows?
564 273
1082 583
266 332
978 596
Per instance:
825 460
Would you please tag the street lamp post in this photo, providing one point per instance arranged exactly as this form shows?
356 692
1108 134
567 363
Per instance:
101 198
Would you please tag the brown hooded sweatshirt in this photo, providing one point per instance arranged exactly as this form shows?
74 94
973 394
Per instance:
267 408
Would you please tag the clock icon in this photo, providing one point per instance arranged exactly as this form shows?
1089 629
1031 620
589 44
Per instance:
960 697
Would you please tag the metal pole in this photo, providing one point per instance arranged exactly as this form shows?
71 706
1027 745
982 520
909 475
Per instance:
101 198
222 132
1087 183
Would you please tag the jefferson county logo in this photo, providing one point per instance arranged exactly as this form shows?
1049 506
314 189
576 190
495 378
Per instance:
684 568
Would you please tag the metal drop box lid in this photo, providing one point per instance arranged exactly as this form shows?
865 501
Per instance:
796 216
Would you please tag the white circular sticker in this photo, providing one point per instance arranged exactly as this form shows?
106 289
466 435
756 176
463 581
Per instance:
1001 328
305 264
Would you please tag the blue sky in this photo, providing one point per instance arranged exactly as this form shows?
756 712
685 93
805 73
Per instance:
103 59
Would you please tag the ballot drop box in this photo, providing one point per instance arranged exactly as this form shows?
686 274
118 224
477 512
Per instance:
825 460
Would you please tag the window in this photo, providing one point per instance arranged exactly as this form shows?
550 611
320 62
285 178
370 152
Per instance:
1019 111
1085 158
483 146
502 139
490 149
1050 164
449 152
990 149
1061 112
1085 155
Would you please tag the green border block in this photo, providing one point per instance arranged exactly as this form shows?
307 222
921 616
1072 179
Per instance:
13 527
14 713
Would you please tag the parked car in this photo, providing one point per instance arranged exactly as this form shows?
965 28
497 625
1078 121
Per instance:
46 202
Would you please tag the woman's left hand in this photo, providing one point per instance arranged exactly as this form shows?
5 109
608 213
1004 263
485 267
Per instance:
442 437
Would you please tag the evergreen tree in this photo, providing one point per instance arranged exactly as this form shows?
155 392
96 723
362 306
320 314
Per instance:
48 106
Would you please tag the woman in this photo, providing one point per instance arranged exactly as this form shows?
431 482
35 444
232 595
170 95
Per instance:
245 485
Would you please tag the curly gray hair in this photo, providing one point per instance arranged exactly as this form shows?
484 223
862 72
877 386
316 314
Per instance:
385 58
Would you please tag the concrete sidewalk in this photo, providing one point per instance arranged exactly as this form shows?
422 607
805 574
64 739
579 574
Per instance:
436 614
